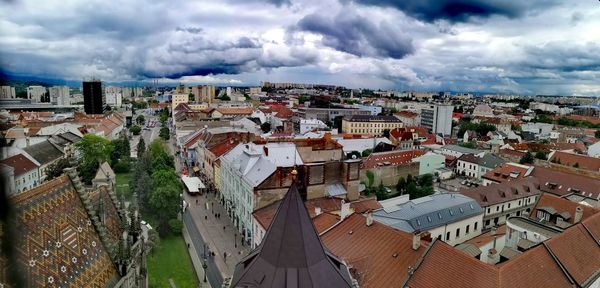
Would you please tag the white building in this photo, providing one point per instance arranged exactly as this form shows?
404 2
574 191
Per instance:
229 91
59 95
438 118
35 93
307 125
25 172
473 166
7 92
114 99
483 110
594 150
373 109
243 169
449 217
501 201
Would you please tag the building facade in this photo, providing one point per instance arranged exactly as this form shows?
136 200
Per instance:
93 97
368 124
59 95
26 172
36 93
7 92
438 119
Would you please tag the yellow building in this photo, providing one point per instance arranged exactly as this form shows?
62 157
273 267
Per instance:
369 124
177 99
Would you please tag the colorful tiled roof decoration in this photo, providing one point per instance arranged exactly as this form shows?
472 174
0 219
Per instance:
59 244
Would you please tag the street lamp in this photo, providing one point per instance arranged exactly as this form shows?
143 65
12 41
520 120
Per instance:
204 266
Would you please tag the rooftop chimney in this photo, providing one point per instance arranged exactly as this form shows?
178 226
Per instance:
578 215
493 257
317 211
416 240
345 211
369 218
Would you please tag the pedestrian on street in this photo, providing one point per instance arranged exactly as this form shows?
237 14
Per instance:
196 201
225 256
205 217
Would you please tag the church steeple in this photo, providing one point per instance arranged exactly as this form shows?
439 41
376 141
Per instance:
291 254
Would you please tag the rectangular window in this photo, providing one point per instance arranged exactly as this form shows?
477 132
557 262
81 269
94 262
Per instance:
475 227
447 236
457 232
467 230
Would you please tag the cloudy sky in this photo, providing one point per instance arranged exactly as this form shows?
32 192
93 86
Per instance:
505 46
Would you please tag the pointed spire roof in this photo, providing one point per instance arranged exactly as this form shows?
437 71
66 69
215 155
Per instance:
291 253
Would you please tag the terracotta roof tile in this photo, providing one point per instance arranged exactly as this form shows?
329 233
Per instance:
506 191
578 252
487 237
391 158
223 147
52 220
592 224
562 205
20 164
506 172
535 268
444 266
236 110
564 183
582 161
325 221
379 256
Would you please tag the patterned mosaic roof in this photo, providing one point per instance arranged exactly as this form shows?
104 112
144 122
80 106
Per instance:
58 243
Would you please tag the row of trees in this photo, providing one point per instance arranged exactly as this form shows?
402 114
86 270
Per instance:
416 187
157 186
94 150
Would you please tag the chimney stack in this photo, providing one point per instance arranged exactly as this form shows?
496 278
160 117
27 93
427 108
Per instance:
369 218
578 215
493 257
317 211
416 240
345 211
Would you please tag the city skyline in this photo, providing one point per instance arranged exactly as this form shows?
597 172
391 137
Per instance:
538 47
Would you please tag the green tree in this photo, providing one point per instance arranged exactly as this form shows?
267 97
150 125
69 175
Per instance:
56 169
367 152
140 120
401 185
527 158
541 155
87 171
370 178
597 133
164 199
135 129
141 147
93 148
164 133
121 149
265 127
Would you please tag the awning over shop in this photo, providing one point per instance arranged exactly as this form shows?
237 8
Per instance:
193 184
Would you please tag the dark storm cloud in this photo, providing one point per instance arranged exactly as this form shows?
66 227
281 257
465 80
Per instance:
459 10
193 30
351 33
564 57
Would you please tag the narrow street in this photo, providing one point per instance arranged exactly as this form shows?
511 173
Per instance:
210 234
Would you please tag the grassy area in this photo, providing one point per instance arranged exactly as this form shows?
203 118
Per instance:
122 180
171 261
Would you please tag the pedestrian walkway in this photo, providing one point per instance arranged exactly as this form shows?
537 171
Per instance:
219 234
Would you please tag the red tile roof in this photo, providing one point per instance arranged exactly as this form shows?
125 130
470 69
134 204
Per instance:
503 192
563 183
380 256
325 221
391 158
20 164
578 253
223 147
562 205
407 114
445 266
581 161
235 110
487 237
282 111
506 172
